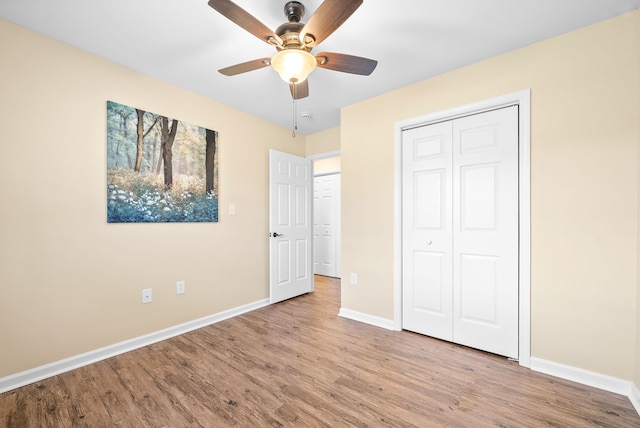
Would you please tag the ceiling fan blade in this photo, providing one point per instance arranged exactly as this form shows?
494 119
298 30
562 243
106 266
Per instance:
299 90
245 66
330 15
245 20
346 63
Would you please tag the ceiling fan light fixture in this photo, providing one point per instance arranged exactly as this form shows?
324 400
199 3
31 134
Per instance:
293 65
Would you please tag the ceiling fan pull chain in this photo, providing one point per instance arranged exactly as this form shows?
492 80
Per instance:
295 116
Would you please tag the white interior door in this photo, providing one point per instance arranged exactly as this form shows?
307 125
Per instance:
427 295
290 225
460 231
326 229
485 233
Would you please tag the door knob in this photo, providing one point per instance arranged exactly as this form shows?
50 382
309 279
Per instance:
429 242
275 235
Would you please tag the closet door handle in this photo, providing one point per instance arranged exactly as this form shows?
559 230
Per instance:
429 242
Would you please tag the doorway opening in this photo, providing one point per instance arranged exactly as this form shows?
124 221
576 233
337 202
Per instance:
326 214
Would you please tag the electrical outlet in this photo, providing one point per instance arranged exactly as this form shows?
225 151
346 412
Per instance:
180 285
146 295
354 278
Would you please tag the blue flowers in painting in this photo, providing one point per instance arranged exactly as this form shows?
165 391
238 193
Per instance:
153 206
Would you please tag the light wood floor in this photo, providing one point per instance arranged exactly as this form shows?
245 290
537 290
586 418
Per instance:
297 363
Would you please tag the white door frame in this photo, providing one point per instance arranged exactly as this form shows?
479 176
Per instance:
325 155
336 224
523 99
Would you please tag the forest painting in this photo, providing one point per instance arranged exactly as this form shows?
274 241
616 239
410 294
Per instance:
159 169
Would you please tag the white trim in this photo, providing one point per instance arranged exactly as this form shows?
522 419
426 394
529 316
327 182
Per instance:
585 377
523 99
397 227
325 173
324 155
48 370
367 319
634 397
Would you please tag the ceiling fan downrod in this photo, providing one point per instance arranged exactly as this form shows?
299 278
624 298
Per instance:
294 11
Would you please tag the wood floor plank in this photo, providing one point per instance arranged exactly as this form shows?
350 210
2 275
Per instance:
85 408
298 364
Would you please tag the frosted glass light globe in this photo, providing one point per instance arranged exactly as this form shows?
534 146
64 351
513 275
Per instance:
293 65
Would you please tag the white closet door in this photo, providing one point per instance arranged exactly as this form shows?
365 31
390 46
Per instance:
326 230
485 232
427 294
460 231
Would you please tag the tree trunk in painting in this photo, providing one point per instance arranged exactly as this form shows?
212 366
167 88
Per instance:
140 140
124 129
210 154
168 136
159 166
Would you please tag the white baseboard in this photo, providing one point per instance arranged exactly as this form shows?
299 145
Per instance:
367 319
635 397
586 377
48 370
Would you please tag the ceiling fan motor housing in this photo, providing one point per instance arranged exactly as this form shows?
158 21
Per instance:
290 31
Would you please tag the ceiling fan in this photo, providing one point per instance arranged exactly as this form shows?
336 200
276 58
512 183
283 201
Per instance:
294 41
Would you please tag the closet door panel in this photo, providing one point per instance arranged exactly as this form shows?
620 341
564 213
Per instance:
485 231
427 247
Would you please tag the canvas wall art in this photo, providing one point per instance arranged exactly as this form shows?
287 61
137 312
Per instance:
159 170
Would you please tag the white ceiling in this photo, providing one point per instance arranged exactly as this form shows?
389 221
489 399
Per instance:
185 42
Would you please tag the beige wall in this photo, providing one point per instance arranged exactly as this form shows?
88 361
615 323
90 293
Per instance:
70 282
323 142
585 113
637 374
326 141
326 165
